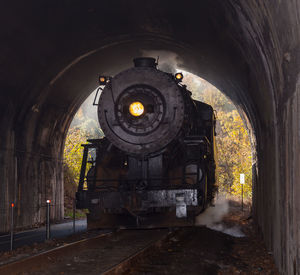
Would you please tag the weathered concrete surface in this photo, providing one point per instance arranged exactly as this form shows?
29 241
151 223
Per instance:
290 174
51 54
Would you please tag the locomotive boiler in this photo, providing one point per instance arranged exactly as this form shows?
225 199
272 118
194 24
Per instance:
155 166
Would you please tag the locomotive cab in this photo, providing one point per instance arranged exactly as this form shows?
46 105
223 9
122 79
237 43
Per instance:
156 165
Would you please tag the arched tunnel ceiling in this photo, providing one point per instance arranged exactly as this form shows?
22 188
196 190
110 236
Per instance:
52 52
214 41
74 83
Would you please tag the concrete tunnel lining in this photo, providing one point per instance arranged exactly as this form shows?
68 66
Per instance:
249 50
66 91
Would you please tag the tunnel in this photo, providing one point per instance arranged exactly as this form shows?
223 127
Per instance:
53 51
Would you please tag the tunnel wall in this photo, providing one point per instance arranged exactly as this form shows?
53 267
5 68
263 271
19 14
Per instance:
7 164
30 169
275 208
49 64
290 174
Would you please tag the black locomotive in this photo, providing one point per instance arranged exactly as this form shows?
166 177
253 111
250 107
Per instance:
156 164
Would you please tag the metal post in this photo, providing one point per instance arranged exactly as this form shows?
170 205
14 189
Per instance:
242 181
74 212
242 197
12 226
83 167
48 220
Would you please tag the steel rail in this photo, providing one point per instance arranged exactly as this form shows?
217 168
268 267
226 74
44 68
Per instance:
35 262
131 260
38 262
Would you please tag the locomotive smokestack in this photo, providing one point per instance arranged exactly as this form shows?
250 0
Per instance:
145 62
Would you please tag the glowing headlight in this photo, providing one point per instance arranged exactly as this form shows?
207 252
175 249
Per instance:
103 80
136 108
179 76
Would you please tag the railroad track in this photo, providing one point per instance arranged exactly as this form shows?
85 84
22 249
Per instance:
109 253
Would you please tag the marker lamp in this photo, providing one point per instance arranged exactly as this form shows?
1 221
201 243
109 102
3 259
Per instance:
179 76
102 80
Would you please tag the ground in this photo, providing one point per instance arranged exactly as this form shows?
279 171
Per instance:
206 251
194 250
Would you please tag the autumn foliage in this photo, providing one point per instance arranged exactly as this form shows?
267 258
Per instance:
233 144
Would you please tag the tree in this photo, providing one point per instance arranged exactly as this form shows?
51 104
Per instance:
73 153
233 145
81 129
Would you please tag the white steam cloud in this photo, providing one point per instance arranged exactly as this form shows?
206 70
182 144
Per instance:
212 218
215 214
167 61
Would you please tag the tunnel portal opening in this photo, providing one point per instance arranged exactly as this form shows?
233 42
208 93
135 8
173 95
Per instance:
247 49
232 140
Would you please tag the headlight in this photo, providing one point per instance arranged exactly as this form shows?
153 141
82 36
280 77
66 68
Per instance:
179 77
103 80
136 108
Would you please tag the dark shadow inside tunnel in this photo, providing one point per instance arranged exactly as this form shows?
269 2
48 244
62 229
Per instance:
51 112
52 54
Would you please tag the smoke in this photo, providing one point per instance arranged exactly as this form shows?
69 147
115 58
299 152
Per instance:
212 218
89 109
167 61
86 111
214 215
234 231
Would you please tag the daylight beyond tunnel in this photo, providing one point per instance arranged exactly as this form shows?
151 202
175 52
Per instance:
52 53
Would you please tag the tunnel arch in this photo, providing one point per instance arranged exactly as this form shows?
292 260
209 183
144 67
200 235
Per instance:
248 49
137 47
93 63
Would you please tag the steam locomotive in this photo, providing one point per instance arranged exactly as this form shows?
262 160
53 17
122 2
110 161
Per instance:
155 167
